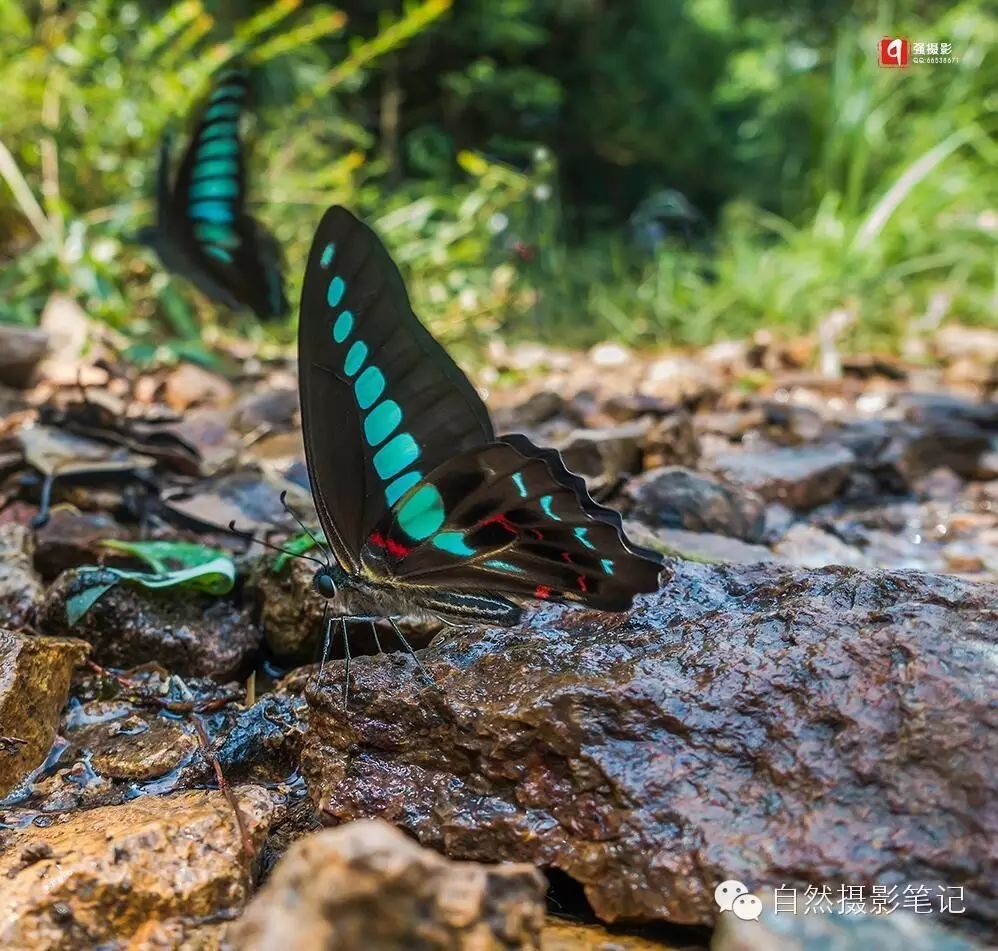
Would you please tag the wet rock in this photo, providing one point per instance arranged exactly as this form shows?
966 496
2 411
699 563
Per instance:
192 634
109 875
20 587
672 441
605 455
810 547
652 757
788 424
366 885
673 497
34 685
139 749
21 350
801 477
70 539
832 930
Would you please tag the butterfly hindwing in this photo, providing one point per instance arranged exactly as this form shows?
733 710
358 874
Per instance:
382 403
511 520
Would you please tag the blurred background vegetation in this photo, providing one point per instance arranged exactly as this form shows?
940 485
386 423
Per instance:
653 171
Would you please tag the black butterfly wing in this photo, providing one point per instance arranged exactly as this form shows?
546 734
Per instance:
228 254
509 518
382 403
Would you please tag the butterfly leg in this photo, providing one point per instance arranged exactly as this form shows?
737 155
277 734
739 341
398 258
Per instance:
409 650
377 641
346 662
327 625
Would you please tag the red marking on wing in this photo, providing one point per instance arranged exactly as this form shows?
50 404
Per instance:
582 584
390 545
566 557
542 591
503 521
537 533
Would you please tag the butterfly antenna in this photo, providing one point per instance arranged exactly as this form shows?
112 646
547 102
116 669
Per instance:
250 537
303 526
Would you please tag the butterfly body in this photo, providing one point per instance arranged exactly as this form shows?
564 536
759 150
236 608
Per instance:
202 230
425 509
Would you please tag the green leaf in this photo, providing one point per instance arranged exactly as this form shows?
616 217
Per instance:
296 546
165 556
213 577
83 601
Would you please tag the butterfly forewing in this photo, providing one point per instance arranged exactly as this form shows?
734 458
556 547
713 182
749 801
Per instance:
382 402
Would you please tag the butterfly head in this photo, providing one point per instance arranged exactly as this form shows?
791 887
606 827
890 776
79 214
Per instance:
324 582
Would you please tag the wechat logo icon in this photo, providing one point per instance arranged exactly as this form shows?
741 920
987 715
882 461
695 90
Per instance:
733 896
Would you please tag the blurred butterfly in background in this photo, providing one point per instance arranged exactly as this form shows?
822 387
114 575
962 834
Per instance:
202 230
426 511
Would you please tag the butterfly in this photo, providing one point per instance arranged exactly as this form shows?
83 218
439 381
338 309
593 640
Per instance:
426 511
202 229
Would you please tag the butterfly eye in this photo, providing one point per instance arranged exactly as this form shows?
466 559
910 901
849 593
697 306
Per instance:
324 584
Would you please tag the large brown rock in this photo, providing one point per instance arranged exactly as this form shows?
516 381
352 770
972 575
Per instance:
131 872
34 685
366 885
767 724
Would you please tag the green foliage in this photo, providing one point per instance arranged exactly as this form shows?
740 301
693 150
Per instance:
185 565
651 170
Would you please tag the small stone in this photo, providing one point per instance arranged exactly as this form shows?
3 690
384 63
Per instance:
366 885
113 871
801 477
141 754
810 547
34 685
189 385
605 455
21 350
70 539
673 497
672 441
20 586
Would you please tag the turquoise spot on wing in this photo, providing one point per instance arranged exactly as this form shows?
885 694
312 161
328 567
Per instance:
327 254
502 566
381 422
218 148
220 130
518 482
452 542
582 534
396 455
343 326
337 288
607 564
215 168
218 212
227 89
216 252
215 188
546 507
397 488
356 356
422 513
222 110
369 387
216 234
